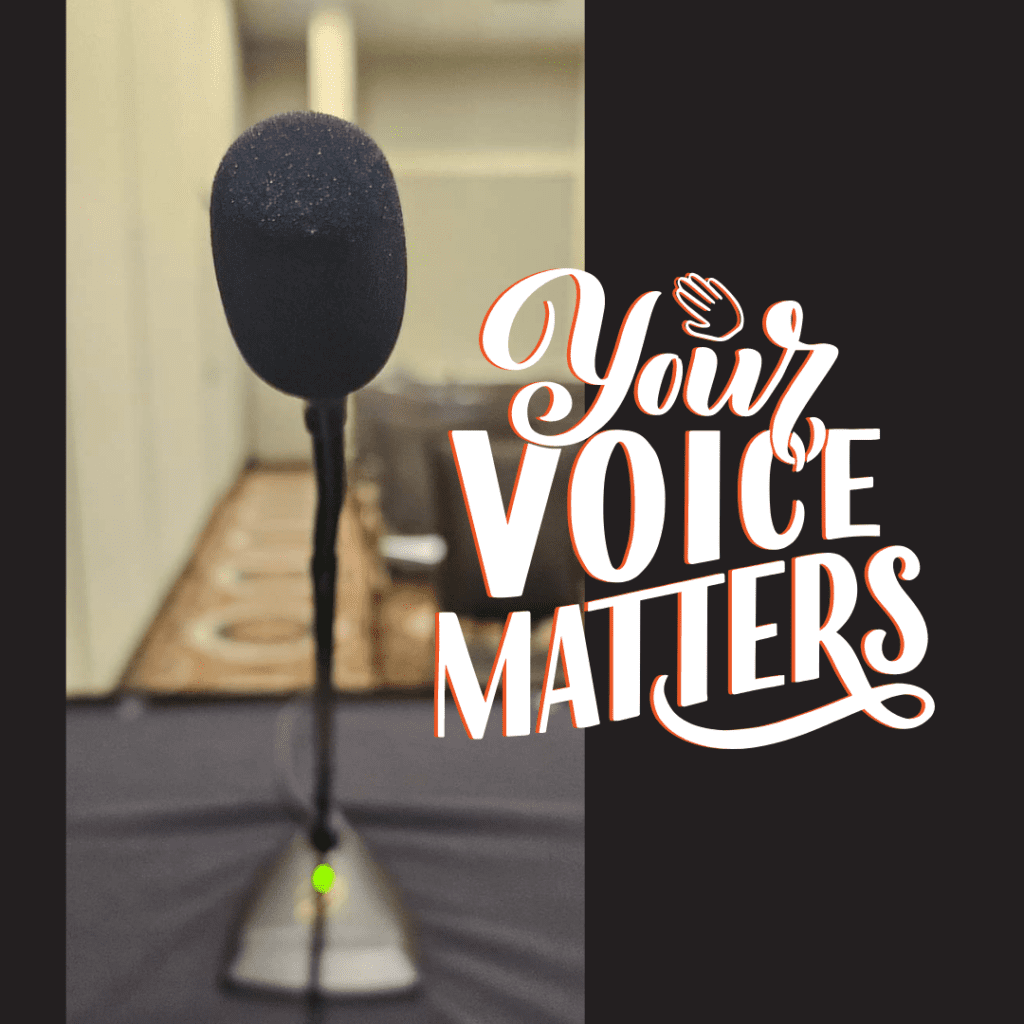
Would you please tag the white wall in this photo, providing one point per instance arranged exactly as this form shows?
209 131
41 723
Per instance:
155 416
484 151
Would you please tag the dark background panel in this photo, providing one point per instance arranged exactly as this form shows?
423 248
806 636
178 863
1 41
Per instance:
789 874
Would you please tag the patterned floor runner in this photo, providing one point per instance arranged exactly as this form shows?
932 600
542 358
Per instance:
239 619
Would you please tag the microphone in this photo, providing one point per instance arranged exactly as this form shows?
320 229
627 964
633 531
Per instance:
309 252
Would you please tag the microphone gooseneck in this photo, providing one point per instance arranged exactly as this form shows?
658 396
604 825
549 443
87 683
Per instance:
326 422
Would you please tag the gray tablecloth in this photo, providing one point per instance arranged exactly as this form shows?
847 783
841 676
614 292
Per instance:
172 810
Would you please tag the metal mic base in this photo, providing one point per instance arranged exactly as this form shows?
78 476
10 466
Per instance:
365 944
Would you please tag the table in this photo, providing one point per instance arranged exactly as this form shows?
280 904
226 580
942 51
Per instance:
173 806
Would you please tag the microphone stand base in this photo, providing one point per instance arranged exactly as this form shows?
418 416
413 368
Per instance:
353 940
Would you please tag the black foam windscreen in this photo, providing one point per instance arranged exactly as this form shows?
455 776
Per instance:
309 252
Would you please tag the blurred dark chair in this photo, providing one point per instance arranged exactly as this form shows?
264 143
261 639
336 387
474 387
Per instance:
402 445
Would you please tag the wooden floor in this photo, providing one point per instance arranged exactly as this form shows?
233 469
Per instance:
239 620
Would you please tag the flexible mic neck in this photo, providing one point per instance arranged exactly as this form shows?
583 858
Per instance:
326 422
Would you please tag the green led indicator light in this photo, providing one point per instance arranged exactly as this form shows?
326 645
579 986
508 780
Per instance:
323 878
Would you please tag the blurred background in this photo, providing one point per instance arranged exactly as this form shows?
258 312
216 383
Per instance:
182 466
